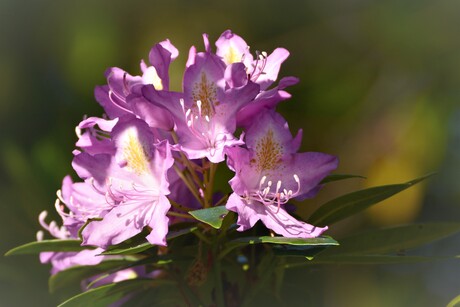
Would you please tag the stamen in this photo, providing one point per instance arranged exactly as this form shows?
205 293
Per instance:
262 181
279 196
198 104
59 195
40 235
278 186
78 132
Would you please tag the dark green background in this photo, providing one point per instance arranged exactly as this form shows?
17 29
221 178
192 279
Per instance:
380 88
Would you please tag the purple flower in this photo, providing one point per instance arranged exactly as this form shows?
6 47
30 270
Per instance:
63 260
122 96
91 134
269 172
205 113
78 202
134 182
263 70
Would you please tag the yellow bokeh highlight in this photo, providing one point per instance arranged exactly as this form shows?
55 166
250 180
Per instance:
417 146
403 207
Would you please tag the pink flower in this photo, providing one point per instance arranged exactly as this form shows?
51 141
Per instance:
269 172
134 182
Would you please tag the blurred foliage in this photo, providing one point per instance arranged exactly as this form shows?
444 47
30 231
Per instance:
379 88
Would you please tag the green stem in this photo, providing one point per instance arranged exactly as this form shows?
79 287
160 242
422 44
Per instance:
201 236
227 250
191 299
220 302
264 278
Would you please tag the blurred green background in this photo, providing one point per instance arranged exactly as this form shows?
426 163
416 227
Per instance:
380 88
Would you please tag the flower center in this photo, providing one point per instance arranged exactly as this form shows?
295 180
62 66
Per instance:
151 77
135 155
205 91
202 127
268 152
232 56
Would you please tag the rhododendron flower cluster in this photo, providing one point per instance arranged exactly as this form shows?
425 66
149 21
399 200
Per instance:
153 156
188 197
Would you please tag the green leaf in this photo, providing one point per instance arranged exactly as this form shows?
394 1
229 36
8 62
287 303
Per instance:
108 294
211 216
126 249
162 296
298 250
359 259
324 240
393 239
455 302
349 204
337 177
48 246
130 250
74 275
310 242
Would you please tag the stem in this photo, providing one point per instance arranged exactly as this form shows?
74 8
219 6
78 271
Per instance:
263 279
201 236
179 206
209 184
188 163
188 184
191 299
218 279
221 201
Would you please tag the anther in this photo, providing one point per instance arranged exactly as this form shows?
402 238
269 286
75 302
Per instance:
278 186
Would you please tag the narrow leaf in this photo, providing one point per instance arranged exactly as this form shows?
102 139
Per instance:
48 246
211 216
324 240
393 239
140 247
298 250
359 259
337 177
111 293
349 204
74 275
319 241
